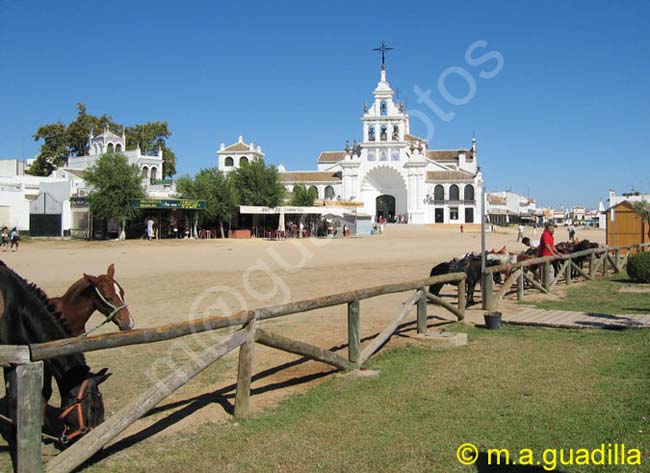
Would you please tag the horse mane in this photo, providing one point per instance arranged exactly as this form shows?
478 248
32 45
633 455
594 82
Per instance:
42 298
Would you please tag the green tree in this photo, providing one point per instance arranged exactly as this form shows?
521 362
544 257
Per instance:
217 189
642 209
114 182
303 197
54 151
78 131
258 184
151 137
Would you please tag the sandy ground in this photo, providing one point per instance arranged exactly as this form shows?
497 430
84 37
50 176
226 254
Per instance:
168 281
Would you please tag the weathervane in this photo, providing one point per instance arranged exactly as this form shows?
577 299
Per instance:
383 47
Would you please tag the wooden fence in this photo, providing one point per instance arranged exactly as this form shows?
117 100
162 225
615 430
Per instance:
600 261
28 361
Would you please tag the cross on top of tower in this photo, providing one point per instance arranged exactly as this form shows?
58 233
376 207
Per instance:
383 47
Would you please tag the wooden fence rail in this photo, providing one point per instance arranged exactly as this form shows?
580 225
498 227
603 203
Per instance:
29 359
597 258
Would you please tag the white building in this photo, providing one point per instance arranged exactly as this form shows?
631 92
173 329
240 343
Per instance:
508 207
632 197
390 172
233 156
108 142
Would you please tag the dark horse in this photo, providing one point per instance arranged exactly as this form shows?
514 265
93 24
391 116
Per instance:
470 265
26 318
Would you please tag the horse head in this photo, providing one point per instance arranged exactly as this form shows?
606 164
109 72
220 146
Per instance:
82 407
109 298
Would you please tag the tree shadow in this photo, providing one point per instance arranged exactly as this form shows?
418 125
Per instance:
483 466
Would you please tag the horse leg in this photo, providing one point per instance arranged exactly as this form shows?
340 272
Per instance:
469 293
435 289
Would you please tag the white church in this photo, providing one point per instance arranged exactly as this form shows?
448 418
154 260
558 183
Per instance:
390 173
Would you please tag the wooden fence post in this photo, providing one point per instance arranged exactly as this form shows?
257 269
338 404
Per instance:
354 341
567 272
605 264
548 277
245 371
462 298
29 415
520 286
422 311
617 260
592 264
488 284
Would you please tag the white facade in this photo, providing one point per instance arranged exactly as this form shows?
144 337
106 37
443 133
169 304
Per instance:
393 174
231 157
107 142
508 207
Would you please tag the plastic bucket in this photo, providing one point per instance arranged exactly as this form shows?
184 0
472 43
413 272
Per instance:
492 320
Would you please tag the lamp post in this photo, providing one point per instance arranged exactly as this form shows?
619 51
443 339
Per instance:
483 222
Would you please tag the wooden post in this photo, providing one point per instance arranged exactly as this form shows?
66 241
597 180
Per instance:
520 286
592 264
488 284
245 372
354 341
462 298
567 272
605 264
548 277
617 260
422 311
29 417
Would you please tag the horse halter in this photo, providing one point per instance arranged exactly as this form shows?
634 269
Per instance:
109 317
78 407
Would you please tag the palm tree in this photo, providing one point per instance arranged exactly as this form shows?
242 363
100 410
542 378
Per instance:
642 209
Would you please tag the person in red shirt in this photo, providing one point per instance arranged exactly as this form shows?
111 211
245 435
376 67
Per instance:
547 242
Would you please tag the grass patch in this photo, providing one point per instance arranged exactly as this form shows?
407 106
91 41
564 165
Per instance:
607 295
521 387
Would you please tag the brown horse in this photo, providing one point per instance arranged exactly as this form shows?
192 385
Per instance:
93 293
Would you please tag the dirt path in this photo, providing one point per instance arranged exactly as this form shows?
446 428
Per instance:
170 281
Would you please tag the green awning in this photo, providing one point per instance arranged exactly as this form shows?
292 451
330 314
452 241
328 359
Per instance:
188 204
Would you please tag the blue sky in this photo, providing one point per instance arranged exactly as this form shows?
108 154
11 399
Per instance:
564 120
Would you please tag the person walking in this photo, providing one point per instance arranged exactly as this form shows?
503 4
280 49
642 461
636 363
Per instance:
520 232
14 239
150 231
4 242
572 232
462 228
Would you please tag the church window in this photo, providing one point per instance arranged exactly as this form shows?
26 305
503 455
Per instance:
395 133
109 148
383 136
439 193
383 109
469 192
383 156
371 133
229 161
394 155
372 156
243 160
154 174
454 193
329 193
145 172
314 190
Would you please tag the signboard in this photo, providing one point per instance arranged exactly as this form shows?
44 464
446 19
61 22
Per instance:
259 210
167 204
341 203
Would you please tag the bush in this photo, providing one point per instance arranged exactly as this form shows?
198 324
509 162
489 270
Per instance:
638 267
